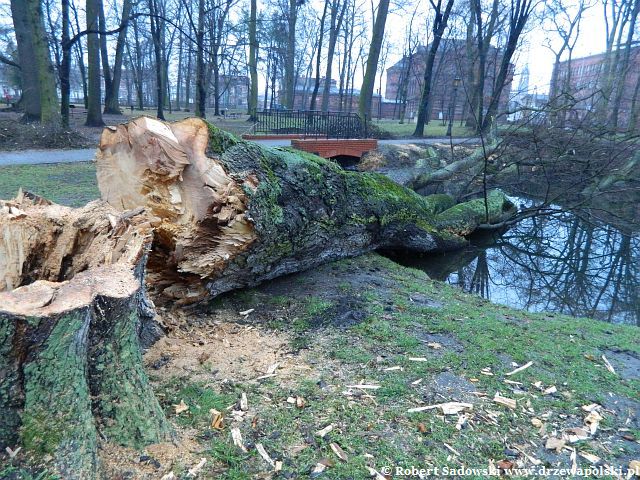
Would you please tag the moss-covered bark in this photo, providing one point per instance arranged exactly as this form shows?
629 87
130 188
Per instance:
234 213
68 379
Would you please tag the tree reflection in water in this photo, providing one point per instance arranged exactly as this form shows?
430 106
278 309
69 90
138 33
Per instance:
560 263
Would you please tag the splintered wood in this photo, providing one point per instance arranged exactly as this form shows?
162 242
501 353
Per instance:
201 209
54 258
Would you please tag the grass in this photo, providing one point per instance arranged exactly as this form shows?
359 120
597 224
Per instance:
72 184
433 129
378 431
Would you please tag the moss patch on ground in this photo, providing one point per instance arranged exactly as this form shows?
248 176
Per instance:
71 184
368 321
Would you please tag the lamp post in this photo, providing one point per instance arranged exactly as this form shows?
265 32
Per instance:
456 84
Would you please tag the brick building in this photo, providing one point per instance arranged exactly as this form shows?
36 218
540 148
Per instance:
345 101
451 62
582 83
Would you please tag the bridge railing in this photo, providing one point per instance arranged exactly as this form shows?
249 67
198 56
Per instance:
310 123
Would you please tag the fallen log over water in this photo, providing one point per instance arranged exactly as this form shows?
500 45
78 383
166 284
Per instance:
71 313
233 214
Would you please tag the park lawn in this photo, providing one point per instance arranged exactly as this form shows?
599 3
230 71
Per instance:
433 129
71 184
416 342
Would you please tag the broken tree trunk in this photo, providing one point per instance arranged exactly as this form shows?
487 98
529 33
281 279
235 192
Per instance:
71 309
233 214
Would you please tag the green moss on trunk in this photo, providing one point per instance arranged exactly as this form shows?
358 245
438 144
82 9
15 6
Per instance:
57 418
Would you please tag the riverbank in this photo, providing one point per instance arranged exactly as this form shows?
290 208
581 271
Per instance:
331 362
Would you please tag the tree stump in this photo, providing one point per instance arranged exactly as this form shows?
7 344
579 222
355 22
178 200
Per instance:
72 306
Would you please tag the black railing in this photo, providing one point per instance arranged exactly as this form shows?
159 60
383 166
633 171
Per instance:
310 123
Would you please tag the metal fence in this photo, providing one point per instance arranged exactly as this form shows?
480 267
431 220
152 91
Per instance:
310 123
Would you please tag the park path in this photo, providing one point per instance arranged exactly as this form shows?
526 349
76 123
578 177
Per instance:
30 157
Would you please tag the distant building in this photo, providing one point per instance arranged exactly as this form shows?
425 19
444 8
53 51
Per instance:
234 91
451 62
579 83
339 101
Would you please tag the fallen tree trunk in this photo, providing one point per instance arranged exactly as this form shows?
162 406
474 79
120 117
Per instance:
233 214
72 307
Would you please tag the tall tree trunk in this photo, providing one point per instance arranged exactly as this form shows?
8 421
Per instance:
336 22
201 84
157 26
35 60
94 112
65 66
368 82
80 58
316 83
439 24
104 55
112 96
290 79
521 10
253 62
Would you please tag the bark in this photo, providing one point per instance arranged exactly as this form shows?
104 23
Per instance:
366 92
94 112
72 307
234 214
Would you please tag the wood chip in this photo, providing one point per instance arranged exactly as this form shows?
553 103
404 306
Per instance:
247 312
434 345
375 474
536 422
181 407
451 449
554 443
339 452
519 369
318 469
593 421
449 408
549 390
365 387
244 404
324 431
12 453
193 472
590 457
265 456
608 365
217 420
237 439
574 435
392 369
507 402
272 369
169 476
418 359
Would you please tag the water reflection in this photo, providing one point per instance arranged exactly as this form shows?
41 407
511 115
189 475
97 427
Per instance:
559 263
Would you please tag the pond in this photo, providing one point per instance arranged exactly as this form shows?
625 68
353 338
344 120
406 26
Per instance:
557 263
